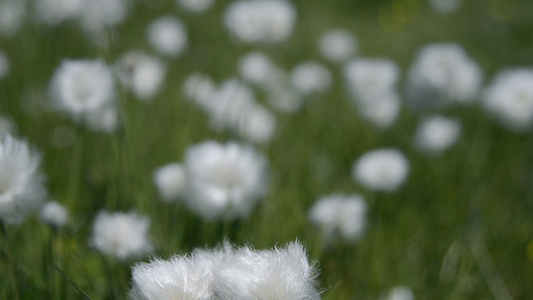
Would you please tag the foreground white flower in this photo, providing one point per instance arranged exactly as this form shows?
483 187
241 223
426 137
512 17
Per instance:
437 134
228 273
381 170
224 181
258 21
509 99
341 216
337 45
54 214
22 190
167 36
170 181
443 74
121 235
142 73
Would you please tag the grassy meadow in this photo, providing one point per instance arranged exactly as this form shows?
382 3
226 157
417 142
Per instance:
460 227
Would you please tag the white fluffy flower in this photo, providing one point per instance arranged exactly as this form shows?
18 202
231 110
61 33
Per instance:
264 21
367 79
12 15
311 77
383 111
510 98
55 11
170 181
224 181
167 35
282 95
6 126
97 15
256 68
200 88
106 119
337 45
445 6
400 293
381 170
437 134
227 273
340 216
122 235
4 65
141 73
22 190
441 75
54 214
259 125
195 6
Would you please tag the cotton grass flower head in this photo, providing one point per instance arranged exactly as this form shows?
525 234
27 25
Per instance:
200 88
195 6
141 73
509 99
224 181
53 12
436 134
381 170
341 216
167 36
22 190
260 21
400 293
337 45
311 77
97 15
12 16
4 65
54 214
170 181
256 68
442 74
259 125
7 127
121 235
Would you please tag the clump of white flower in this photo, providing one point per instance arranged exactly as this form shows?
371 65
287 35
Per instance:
97 15
445 6
200 88
195 6
141 73
121 235
340 216
54 214
441 75
22 190
260 21
381 170
436 134
224 181
509 98
400 293
371 84
228 273
167 36
55 11
311 77
337 45
12 16
170 181
257 68
258 125
85 90
4 65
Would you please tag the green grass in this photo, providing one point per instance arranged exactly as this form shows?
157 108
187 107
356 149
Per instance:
480 189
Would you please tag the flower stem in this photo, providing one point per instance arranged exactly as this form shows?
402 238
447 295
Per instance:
11 263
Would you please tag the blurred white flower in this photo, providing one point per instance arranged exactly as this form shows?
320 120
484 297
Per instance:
97 15
509 98
382 111
445 6
200 88
170 181
22 190
437 134
105 119
55 11
337 45
260 21
224 181
311 77
195 6
282 95
368 79
6 126
441 75
256 68
142 73
400 293
167 36
54 214
381 170
12 16
341 216
4 65
122 235
281 273
259 125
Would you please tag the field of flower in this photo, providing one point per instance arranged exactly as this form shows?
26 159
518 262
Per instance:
392 139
